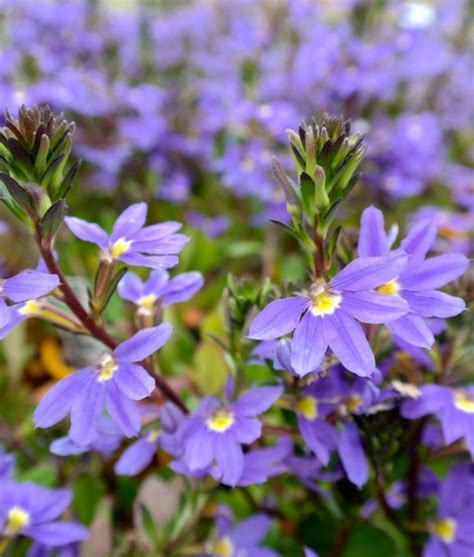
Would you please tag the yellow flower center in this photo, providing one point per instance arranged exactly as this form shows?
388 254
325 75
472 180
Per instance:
146 304
220 421
390 288
223 548
445 528
353 403
463 402
153 436
31 307
107 368
17 518
308 407
323 301
119 248
247 165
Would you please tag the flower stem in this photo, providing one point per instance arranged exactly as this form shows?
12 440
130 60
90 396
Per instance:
96 330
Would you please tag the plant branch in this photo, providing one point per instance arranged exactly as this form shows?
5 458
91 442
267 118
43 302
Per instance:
97 331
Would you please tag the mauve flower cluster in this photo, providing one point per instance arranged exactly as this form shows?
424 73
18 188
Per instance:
245 74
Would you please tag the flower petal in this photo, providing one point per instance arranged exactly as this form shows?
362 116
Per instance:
352 454
434 272
420 238
58 401
131 287
199 449
50 504
86 411
373 241
278 318
372 307
366 273
252 530
247 430
319 436
167 246
122 410
158 231
432 303
87 231
5 314
136 457
156 282
182 288
349 343
134 381
29 285
151 261
230 459
130 221
257 400
57 534
412 329
308 345
143 344
432 399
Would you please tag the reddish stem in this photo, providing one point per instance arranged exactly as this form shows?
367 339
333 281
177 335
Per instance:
98 332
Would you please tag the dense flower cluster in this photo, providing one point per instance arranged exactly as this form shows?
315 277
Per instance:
243 81
322 401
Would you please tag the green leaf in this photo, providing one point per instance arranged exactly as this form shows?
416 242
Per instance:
88 491
149 525
53 219
112 286
18 193
308 194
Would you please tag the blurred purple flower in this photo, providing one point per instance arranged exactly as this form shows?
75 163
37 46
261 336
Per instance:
454 407
32 511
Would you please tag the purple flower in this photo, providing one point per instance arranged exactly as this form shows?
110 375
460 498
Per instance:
106 440
26 286
159 290
453 407
7 462
115 383
32 511
139 454
261 464
331 311
131 241
337 396
418 282
216 431
243 539
212 227
452 531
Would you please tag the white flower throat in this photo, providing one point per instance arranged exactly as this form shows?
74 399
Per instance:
324 301
107 368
